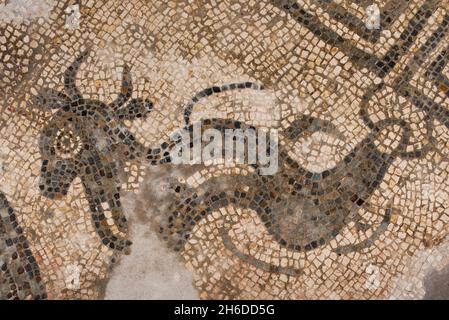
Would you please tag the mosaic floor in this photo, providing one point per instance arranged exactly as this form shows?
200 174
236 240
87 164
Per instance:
93 205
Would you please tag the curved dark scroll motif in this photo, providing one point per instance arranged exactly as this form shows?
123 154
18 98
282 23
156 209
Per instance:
20 276
390 12
382 66
85 138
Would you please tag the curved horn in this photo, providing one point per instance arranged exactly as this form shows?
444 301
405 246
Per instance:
70 77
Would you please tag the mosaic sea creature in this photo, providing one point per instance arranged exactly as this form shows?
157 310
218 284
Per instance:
302 210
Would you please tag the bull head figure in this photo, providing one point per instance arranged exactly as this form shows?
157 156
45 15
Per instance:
84 138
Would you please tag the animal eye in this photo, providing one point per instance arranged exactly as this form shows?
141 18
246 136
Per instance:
67 143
